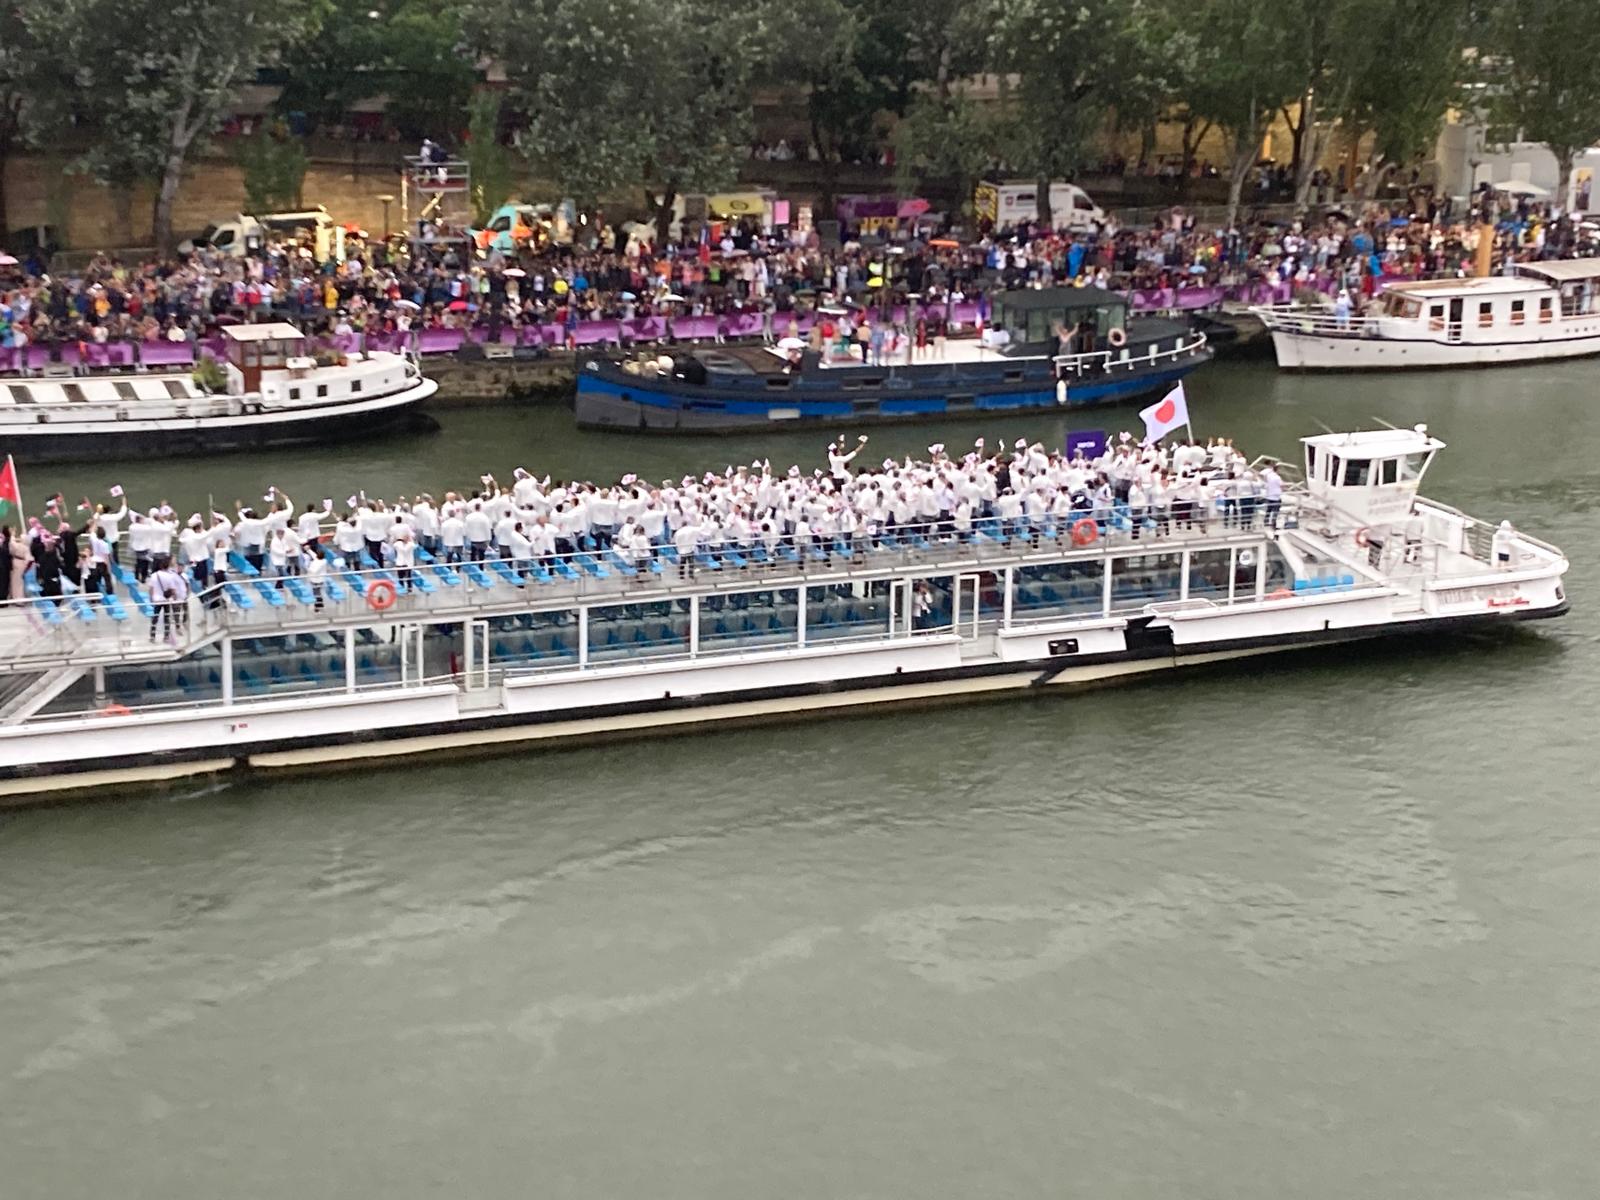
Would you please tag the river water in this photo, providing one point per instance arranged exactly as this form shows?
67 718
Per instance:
1324 926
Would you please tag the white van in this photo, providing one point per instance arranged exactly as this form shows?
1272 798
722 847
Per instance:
242 234
1014 201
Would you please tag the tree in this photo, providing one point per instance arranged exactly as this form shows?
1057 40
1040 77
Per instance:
1071 59
151 78
950 138
488 160
274 169
1544 76
408 51
18 61
619 93
1241 77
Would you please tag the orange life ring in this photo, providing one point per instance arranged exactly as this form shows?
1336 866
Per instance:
1117 337
1085 532
381 595
1281 594
115 710
1361 537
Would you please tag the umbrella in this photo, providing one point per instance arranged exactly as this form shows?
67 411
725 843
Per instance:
947 243
792 343
515 272
7 261
458 306
1197 269
735 253
672 298
1271 250
410 305
629 296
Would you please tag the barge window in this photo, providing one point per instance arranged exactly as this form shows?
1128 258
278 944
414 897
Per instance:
1208 575
1519 312
617 631
753 620
1546 312
535 640
1140 579
848 610
777 381
1435 316
294 393
1357 472
1068 589
21 394
125 391
1485 315
322 390
1413 465
75 393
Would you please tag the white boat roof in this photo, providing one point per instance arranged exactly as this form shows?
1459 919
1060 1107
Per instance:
274 332
1562 270
1377 443
1481 285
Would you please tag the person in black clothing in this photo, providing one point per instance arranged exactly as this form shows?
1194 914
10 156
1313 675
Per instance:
5 563
46 552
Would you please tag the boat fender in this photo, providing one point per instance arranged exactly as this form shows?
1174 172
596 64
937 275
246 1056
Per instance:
1117 337
381 596
1281 594
1361 537
116 710
1085 532
122 414
1061 391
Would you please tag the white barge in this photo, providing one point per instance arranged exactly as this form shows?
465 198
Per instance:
276 393
1544 310
503 655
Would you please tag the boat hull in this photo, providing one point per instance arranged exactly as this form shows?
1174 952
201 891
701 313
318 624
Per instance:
609 399
1313 352
87 756
71 441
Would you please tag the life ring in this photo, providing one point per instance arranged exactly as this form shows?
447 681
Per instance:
381 596
1084 532
1117 337
1280 594
115 710
1361 537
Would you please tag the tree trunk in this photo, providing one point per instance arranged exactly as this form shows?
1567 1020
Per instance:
1565 156
1308 147
1046 217
1194 132
166 198
1246 150
5 224
663 213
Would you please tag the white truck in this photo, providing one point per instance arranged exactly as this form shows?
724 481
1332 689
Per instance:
1012 202
242 234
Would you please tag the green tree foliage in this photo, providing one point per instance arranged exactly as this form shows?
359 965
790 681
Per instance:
274 169
618 93
1541 61
407 52
950 138
19 62
146 80
488 161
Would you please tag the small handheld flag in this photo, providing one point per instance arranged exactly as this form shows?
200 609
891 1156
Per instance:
116 489
10 493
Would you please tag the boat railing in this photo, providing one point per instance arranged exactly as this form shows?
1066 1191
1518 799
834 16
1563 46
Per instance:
1105 362
1296 318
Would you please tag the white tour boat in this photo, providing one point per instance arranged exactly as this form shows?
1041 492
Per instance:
1543 310
503 655
276 394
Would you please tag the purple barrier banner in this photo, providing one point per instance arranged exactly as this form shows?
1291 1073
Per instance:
439 341
167 354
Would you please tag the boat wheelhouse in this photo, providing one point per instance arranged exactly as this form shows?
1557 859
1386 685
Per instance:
1044 348
1542 310
267 674
277 392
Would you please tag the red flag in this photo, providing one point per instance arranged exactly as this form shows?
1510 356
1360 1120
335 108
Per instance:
10 492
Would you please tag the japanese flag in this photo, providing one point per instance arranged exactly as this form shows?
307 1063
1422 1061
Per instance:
1161 419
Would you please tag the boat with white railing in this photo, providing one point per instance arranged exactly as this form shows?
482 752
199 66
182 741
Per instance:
1044 348
273 391
1543 310
271 674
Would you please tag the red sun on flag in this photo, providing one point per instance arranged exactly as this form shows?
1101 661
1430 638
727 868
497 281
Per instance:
1166 410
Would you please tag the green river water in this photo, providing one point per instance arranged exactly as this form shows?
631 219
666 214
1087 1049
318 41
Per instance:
1326 925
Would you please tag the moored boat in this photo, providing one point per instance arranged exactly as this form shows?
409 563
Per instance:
1543 310
274 674
1044 349
274 391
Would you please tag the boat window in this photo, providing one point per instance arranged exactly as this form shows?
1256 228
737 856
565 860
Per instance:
617 631
1208 574
1330 468
322 390
749 620
75 393
177 389
1518 311
535 640
1546 310
294 393
1357 471
21 394
125 391
1140 579
1390 470
1435 316
1413 465
847 611
1485 314
1066 589
1246 562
